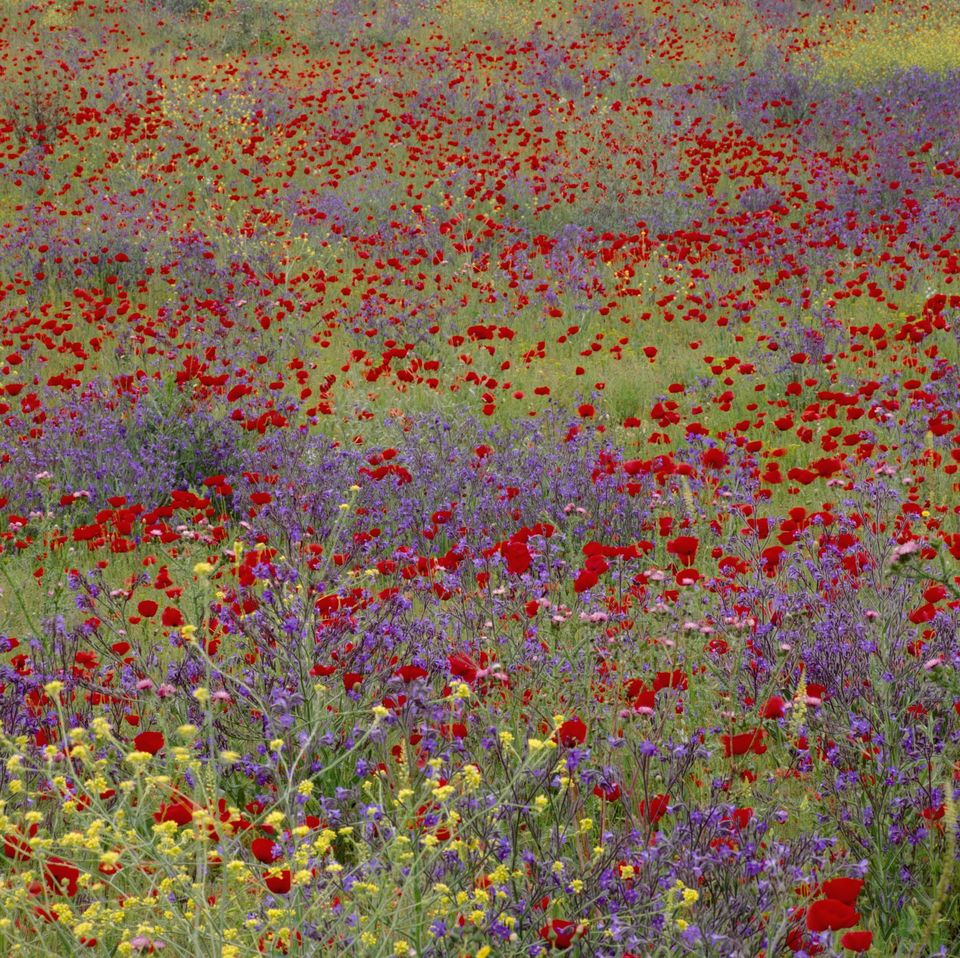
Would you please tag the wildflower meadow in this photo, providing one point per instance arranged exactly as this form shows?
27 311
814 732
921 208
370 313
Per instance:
479 478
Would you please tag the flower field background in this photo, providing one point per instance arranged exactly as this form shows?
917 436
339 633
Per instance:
479 478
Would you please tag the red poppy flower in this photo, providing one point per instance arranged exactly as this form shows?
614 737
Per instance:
735 745
773 708
829 914
794 939
278 882
16 848
656 809
740 817
517 556
180 812
609 792
560 934
86 659
463 668
585 580
61 876
171 617
803 476
714 459
684 548
843 889
677 679
265 850
454 730
572 733
411 672
859 941
147 608
645 701
935 593
150 742
770 560
923 614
